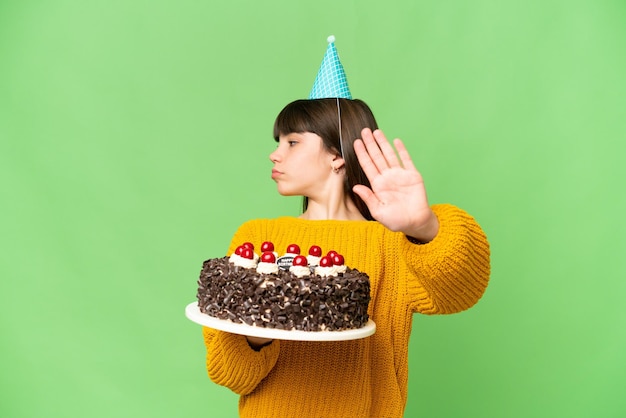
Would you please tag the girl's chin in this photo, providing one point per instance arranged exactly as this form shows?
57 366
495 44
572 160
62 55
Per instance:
284 191
287 193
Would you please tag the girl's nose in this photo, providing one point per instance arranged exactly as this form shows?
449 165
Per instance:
274 156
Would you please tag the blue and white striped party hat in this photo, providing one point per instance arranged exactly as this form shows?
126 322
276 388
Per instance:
331 79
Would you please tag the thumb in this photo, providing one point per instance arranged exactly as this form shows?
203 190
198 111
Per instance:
366 194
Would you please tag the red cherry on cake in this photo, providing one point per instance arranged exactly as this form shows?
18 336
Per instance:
315 251
267 246
239 250
326 262
331 254
300 260
293 249
247 253
248 245
338 260
268 257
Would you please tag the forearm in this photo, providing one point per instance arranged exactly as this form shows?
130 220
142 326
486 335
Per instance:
233 363
451 271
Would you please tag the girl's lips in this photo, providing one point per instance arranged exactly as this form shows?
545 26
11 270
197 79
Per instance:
275 173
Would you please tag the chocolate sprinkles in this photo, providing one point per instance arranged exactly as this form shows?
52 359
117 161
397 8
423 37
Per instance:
281 300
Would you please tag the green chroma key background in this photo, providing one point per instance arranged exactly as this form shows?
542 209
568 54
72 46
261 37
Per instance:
134 139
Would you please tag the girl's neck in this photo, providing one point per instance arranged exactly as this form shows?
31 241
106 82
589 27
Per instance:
343 210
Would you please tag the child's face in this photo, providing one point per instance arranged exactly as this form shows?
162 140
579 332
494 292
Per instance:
302 167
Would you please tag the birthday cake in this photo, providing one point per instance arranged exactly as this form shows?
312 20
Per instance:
290 292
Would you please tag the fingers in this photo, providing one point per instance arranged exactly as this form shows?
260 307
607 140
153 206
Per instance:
375 153
379 149
405 158
368 166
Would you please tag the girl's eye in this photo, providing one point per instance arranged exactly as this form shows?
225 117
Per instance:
292 143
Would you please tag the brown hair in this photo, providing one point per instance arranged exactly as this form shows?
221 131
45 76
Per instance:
320 116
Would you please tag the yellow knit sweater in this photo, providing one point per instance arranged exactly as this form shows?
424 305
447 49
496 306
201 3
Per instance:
359 378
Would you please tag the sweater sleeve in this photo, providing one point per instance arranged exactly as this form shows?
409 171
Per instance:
231 362
450 273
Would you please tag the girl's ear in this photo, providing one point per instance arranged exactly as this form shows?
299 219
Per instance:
337 163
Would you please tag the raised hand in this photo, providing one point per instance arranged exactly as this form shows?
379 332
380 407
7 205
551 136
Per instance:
397 197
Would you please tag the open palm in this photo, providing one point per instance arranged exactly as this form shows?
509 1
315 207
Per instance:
397 197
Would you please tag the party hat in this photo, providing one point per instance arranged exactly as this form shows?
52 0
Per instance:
331 79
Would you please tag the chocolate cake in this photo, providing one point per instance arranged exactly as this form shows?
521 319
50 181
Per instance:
313 295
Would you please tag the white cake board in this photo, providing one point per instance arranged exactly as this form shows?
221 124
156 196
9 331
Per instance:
193 313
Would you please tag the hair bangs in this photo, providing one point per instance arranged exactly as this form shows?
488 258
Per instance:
294 118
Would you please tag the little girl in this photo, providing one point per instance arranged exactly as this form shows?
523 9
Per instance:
369 203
